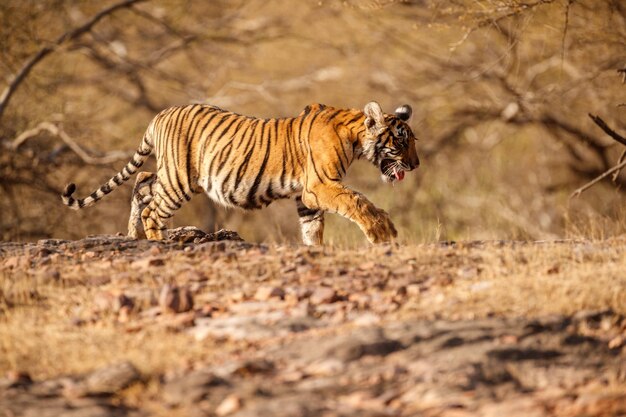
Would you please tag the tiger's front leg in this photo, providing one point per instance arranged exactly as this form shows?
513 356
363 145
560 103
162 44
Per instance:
311 224
335 197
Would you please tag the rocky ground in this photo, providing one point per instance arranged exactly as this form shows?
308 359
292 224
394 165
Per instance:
201 326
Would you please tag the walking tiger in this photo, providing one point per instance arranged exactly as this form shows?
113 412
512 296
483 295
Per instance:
247 162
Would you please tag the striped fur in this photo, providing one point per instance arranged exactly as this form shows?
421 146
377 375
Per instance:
141 197
246 162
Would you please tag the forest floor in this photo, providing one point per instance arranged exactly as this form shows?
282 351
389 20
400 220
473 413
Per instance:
108 326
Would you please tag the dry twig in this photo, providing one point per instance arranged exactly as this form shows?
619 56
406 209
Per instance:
56 131
621 159
599 178
602 124
616 169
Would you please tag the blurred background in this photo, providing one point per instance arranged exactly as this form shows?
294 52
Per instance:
500 89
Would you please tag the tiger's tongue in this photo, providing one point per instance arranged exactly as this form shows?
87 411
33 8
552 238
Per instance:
399 174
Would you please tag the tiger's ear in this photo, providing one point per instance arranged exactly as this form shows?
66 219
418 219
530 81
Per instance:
374 117
404 112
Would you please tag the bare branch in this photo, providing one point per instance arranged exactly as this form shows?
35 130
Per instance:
591 183
47 50
602 124
112 156
567 7
513 11
621 159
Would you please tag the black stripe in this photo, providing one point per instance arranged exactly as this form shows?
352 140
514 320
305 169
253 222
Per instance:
248 151
252 193
283 173
231 198
354 119
343 168
202 143
175 202
308 135
224 183
168 172
245 133
176 150
333 115
300 127
343 149
290 139
304 211
309 148
218 158
328 175
225 117
209 137
190 137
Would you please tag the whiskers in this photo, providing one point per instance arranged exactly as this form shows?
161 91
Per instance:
394 167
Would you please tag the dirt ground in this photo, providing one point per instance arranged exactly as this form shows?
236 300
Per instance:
108 326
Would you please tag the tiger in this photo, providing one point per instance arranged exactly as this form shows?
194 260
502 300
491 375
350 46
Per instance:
247 162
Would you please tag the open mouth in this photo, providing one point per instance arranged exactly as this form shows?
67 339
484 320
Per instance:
391 170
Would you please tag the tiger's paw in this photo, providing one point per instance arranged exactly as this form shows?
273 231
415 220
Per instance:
381 229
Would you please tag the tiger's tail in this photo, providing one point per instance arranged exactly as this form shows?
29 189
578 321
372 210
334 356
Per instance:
141 154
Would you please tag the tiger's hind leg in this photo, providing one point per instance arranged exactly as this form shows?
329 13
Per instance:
143 192
311 224
159 210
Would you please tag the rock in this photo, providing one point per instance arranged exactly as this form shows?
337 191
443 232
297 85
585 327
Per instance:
111 301
359 344
514 407
97 280
174 299
185 234
598 404
155 250
323 295
16 379
266 292
617 342
107 381
191 388
179 321
413 290
229 405
191 234
224 234
234 328
253 367
148 263
366 319
249 308
326 367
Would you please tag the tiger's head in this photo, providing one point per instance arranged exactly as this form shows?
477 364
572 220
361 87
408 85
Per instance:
389 141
